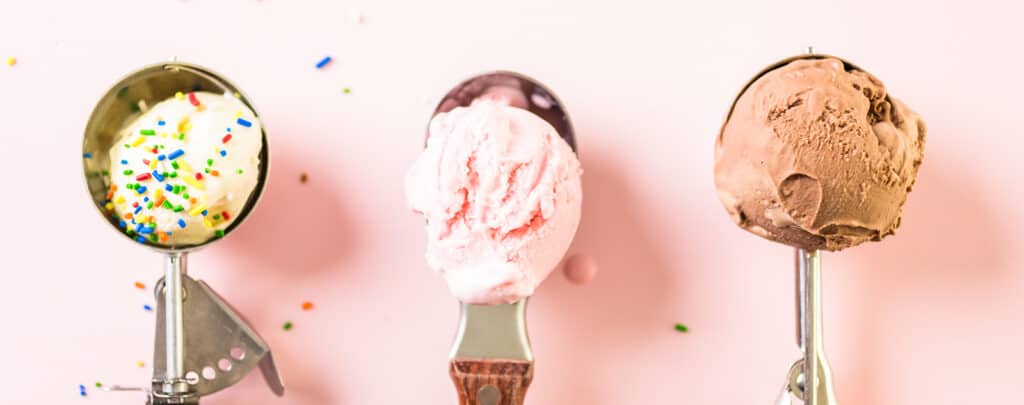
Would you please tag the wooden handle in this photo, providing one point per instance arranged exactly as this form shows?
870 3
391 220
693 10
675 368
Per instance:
491 382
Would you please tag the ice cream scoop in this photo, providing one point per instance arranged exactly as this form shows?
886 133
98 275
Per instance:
202 345
815 154
498 183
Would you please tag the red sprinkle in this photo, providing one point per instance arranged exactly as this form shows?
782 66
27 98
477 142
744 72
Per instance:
135 204
192 99
199 176
143 177
145 161
225 215
154 151
226 138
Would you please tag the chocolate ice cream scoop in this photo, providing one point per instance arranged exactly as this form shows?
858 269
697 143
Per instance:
815 154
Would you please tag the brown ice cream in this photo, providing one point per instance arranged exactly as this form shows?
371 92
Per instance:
816 155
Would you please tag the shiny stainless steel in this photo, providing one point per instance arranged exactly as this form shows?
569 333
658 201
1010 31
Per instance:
118 106
174 334
815 386
539 100
219 341
493 332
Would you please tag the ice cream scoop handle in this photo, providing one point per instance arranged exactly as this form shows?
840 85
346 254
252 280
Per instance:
491 381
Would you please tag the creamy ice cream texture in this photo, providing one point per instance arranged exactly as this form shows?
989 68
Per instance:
818 156
183 170
501 193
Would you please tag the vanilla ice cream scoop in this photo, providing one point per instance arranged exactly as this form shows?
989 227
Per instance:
183 170
501 193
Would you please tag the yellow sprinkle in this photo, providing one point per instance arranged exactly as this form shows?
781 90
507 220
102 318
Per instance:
237 95
194 183
184 126
238 114
179 95
207 223
120 199
163 134
12 61
138 141
140 363
159 193
109 206
152 164
197 210
184 165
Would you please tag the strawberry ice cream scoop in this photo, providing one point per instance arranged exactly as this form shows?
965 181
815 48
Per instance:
501 193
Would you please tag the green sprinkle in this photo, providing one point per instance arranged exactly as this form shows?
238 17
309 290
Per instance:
174 175
209 162
129 186
178 208
682 328
98 384
185 196
206 170
147 132
105 173
239 171
174 165
167 204
346 90
181 137
128 172
219 233
127 146
120 93
287 326
153 237
216 217
149 205
135 108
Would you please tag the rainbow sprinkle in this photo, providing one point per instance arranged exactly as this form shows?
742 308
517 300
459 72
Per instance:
323 62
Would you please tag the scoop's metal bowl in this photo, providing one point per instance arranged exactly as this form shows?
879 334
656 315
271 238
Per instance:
120 104
536 98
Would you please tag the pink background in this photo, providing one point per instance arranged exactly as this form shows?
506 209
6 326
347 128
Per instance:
930 316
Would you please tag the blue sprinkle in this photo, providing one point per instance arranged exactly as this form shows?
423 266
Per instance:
145 230
229 129
139 227
124 162
145 199
147 308
137 210
122 224
181 222
204 213
169 233
176 154
87 155
223 152
141 190
159 177
169 187
140 239
244 123
81 390
161 157
160 123
323 62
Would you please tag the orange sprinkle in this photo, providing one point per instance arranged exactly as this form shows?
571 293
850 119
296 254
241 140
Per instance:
159 201
139 285
306 306
214 173
192 200
163 236
110 195
128 215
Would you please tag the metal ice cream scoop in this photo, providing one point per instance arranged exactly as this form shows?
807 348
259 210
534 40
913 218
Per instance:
810 378
202 344
491 360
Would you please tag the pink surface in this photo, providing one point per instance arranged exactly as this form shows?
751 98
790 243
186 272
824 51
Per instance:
931 316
